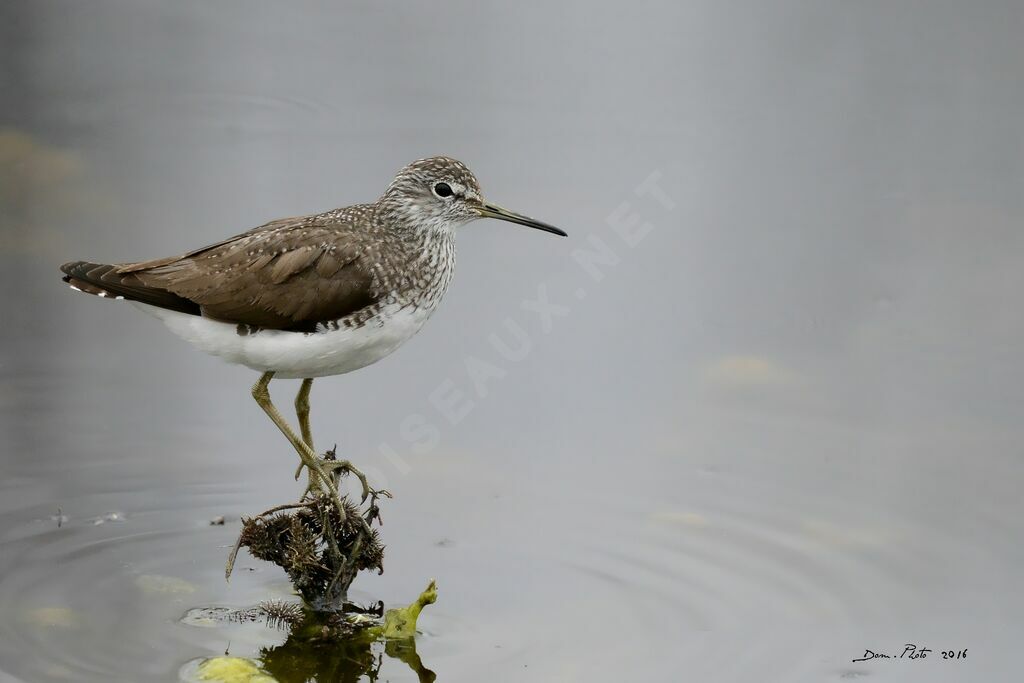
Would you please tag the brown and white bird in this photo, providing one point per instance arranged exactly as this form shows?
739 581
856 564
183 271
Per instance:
315 295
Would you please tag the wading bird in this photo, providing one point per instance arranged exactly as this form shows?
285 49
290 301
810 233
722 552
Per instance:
315 295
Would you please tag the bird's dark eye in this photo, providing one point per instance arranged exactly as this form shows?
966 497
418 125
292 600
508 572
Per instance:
443 190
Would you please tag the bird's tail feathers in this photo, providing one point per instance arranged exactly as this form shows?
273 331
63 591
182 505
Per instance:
107 281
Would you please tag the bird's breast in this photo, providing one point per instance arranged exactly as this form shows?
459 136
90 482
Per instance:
423 278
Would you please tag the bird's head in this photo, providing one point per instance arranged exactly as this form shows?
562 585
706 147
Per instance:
441 193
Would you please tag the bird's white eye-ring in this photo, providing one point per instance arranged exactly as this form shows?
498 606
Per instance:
443 190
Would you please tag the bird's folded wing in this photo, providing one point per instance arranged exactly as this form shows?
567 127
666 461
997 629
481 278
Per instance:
290 275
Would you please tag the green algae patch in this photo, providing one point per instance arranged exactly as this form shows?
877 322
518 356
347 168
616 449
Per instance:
232 670
400 623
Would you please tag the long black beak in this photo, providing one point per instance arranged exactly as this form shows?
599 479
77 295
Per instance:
488 210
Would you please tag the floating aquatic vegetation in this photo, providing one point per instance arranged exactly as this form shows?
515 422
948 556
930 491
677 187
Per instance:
232 670
400 622
321 646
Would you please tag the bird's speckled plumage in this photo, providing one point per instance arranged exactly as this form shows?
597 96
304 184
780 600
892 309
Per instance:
312 295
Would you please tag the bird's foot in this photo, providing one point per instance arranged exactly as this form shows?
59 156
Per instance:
336 469
328 455
322 483
339 468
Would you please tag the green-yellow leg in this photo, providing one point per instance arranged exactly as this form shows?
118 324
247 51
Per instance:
302 411
325 481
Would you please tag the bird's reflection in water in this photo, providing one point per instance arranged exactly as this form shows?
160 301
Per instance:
301 661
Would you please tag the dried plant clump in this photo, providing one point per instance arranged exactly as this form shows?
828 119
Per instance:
319 549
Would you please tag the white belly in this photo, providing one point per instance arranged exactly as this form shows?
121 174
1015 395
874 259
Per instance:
293 355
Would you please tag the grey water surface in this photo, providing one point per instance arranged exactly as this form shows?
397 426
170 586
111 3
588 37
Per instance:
759 413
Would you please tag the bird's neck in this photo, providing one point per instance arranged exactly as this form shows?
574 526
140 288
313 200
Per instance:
436 262
427 256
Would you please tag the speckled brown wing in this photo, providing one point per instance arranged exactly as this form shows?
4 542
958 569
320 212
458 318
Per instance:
289 274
